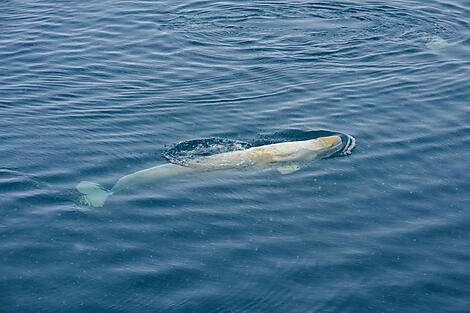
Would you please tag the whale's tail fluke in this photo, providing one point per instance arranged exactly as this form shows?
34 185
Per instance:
93 194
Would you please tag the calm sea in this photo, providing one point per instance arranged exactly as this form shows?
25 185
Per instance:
95 90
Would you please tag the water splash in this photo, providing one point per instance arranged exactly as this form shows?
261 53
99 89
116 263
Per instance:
182 153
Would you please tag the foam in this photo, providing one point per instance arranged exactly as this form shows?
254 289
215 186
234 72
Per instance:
350 145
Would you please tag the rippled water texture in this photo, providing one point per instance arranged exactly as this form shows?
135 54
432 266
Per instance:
95 90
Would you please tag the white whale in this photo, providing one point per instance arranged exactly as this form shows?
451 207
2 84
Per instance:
285 153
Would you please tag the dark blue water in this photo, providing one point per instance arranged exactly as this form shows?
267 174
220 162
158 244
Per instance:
95 90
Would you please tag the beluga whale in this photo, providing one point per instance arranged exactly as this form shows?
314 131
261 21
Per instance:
285 156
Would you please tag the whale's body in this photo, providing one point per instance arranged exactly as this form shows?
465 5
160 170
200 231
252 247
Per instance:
285 153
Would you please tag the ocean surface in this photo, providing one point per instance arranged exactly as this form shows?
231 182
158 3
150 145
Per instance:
95 90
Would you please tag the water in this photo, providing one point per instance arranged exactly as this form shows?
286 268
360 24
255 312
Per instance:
95 90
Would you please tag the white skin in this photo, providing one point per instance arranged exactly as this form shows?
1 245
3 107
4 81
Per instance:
307 150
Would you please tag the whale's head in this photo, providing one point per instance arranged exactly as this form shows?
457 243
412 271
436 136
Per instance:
324 147
330 141
337 145
307 150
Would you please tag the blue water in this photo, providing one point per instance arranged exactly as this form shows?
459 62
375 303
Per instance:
95 90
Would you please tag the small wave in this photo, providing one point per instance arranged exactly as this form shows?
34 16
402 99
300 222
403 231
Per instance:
349 146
